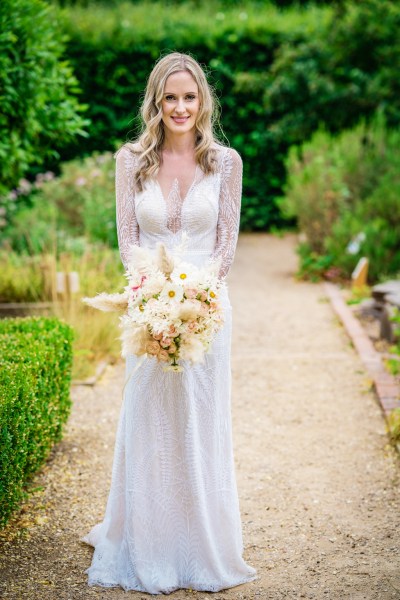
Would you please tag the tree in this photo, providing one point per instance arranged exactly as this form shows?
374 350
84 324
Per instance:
39 110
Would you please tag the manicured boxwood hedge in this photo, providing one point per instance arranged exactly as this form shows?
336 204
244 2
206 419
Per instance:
35 373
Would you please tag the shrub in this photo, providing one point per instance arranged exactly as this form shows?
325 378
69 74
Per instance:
113 49
39 110
35 368
78 203
344 189
338 74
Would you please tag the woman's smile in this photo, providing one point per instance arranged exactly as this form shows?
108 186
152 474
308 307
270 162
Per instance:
180 119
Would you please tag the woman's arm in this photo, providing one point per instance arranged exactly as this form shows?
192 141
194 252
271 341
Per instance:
127 225
228 210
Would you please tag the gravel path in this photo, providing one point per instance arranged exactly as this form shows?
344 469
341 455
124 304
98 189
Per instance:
318 482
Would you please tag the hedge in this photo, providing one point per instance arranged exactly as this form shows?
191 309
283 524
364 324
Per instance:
35 372
280 74
113 50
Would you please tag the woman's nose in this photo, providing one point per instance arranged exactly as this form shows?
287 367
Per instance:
180 107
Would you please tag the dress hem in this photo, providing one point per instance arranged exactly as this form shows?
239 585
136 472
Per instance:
199 587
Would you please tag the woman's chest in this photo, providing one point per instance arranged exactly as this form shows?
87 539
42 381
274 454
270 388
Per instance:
197 212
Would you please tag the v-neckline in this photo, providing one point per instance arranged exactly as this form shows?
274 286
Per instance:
175 184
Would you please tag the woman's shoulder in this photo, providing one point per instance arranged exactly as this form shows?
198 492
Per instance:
227 157
130 150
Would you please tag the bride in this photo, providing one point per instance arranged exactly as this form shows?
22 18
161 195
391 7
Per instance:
172 518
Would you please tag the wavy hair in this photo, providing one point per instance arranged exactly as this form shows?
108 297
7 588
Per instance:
149 145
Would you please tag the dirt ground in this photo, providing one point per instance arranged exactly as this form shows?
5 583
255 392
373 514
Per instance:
317 479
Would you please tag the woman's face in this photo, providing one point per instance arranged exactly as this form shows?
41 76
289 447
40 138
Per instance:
181 103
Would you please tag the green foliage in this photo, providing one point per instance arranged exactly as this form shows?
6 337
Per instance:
313 266
113 50
35 367
341 73
21 278
394 425
39 110
78 204
344 189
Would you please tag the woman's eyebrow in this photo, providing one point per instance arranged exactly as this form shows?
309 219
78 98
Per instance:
174 94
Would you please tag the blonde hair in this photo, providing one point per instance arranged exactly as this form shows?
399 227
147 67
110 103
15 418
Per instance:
149 144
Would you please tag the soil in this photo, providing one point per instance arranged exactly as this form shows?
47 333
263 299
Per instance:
318 480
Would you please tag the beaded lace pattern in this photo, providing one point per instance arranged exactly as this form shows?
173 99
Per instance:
172 518
209 213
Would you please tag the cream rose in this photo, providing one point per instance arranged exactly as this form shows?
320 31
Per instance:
163 355
153 348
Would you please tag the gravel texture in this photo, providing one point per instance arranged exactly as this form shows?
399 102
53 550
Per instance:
318 481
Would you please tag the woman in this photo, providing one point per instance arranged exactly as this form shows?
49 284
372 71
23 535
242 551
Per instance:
172 518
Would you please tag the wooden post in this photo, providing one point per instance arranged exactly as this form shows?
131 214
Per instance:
360 274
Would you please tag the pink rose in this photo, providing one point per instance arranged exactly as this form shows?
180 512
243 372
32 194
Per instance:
191 293
203 309
163 355
153 348
165 342
157 336
192 325
172 331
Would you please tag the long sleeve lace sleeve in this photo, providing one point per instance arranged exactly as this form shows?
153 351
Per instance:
127 226
229 209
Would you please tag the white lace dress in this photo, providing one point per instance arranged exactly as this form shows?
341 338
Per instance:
172 518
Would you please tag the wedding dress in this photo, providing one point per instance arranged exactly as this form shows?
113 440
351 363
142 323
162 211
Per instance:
172 518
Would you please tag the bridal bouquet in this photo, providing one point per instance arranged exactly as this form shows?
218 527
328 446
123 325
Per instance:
171 308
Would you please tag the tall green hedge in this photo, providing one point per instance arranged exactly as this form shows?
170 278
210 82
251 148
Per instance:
279 73
114 49
35 371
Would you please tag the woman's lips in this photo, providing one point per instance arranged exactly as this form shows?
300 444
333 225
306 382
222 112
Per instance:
180 119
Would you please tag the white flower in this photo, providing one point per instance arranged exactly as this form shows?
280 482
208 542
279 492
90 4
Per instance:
175 368
185 274
172 292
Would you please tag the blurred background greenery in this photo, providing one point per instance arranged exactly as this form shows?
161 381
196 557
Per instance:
310 97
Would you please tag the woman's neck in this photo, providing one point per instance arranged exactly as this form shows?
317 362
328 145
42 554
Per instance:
179 144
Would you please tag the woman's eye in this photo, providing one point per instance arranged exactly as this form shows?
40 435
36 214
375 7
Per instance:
169 97
190 97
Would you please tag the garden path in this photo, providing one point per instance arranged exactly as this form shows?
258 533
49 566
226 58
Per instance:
317 480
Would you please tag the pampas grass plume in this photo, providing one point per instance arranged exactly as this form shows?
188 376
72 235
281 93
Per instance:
108 302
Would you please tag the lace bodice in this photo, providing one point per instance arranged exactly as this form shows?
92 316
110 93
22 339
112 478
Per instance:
209 213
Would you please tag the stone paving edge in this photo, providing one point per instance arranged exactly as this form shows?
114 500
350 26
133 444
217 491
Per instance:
386 387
